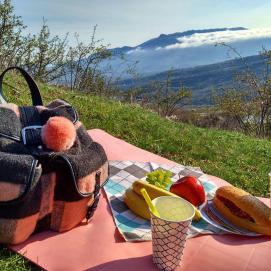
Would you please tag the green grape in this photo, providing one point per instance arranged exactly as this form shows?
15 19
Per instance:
159 178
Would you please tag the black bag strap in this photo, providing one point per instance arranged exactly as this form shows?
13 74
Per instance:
35 92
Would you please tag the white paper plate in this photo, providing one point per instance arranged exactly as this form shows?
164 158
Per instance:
213 217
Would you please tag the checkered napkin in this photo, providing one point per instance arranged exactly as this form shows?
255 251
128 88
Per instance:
131 226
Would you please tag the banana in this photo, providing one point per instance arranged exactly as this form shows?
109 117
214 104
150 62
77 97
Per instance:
136 203
152 190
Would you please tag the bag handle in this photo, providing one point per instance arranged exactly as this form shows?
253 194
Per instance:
35 92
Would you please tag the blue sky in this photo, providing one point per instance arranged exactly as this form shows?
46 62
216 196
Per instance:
126 22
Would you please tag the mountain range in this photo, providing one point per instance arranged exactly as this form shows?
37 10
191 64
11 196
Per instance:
200 59
166 40
186 50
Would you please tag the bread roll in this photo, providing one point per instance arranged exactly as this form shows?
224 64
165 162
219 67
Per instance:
243 209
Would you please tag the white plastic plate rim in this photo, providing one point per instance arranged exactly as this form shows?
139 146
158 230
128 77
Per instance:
213 223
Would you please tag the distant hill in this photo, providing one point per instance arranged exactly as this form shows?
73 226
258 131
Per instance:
201 79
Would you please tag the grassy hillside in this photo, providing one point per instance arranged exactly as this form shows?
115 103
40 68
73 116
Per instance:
241 160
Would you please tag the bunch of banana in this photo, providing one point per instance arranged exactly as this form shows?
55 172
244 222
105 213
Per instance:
137 204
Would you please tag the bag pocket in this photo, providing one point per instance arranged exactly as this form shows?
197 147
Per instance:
76 181
20 197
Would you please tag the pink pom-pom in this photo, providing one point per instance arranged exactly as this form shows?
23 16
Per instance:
58 134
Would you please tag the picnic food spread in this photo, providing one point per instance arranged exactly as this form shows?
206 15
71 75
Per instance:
137 204
243 209
232 204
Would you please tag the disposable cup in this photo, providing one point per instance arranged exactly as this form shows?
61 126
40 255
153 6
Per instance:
169 232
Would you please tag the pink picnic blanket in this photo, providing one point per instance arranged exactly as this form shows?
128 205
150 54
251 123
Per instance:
99 246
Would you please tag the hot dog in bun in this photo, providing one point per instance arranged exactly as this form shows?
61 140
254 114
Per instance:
243 209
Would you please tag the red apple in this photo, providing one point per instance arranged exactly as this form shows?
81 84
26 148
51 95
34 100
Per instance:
189 188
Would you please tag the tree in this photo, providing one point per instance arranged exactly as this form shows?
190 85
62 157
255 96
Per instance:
49 59
44 55
249 102
82 60
166 100
11 41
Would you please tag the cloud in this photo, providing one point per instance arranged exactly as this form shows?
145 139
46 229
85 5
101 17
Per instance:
136 50
228 36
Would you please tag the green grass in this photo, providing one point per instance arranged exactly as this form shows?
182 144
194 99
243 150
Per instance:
241 160
10 261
